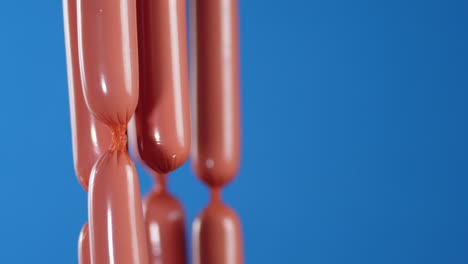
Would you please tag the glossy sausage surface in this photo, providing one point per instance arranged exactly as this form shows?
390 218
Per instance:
159 134
107 40
115 212
217 236
165 228
90 138
216 141
107 47
83 246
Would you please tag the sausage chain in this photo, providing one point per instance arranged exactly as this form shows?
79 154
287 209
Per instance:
217 237
128 58
108 66
159 133
90 137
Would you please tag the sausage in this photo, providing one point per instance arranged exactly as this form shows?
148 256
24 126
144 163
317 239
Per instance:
107 47
83 246
165 227
107 42
216 141
216 232
115 212
217 236
90 138
159 134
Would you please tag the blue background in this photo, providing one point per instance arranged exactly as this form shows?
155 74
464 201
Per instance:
354 124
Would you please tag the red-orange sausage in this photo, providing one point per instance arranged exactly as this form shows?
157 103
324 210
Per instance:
160 132
216 153
83 246
116 227
107 50
217 236
107 40
165 228
90 137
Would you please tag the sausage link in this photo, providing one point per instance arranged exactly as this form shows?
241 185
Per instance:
216 151
107 42
90 137
159 134
116 227
83 246
217 235
108 57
